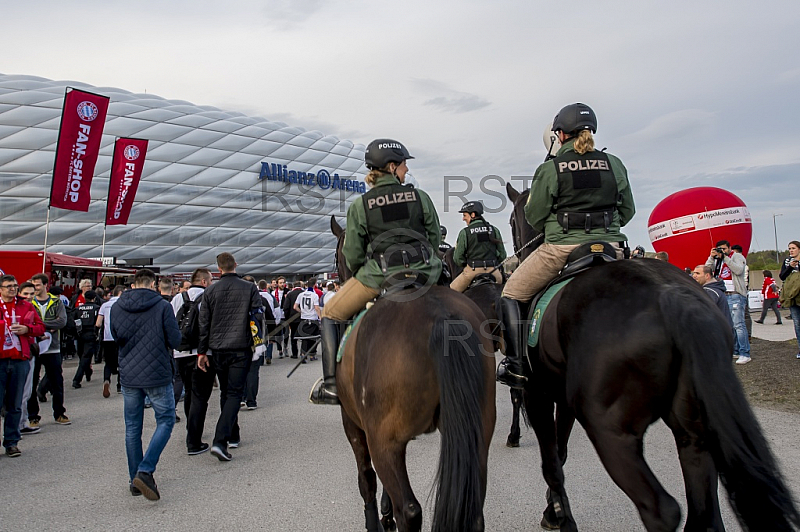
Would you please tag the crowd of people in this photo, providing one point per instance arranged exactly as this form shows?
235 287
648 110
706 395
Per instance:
164 340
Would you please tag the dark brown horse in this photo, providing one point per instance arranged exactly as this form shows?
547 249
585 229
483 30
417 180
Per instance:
628 343
411 367
486 296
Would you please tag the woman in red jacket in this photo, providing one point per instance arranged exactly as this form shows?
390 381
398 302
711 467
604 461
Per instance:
770 292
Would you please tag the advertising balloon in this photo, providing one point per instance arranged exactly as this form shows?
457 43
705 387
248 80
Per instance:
688 224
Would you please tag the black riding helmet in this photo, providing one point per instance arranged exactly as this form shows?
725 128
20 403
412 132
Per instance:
381 152
472 206
574 118
443 230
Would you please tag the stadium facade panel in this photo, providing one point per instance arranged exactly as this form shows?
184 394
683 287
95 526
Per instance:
213 181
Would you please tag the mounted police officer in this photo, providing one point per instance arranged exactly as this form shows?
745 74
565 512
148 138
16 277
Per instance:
443 246
580 195
392 228
479 248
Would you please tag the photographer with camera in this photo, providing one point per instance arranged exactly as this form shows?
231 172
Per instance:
731 268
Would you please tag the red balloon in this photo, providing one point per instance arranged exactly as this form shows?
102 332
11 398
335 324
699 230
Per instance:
688 224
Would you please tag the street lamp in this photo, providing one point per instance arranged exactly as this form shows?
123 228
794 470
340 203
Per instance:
775 228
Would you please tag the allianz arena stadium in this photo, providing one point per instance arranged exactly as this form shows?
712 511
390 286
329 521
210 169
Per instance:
213 181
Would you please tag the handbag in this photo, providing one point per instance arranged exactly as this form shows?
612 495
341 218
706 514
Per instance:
791 290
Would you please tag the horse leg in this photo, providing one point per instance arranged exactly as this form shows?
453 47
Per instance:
390 463
622 456
367 483
557 515
516 403
565 420
699 472
387 515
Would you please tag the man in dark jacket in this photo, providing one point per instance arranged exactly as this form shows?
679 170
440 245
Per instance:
88 345
225 330
145 330
715 289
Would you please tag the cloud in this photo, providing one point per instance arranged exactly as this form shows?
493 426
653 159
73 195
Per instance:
448 99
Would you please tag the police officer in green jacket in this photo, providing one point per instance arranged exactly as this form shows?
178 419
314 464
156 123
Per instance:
479 248
392 228
580 195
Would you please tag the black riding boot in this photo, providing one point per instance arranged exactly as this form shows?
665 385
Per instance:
509 372
324 393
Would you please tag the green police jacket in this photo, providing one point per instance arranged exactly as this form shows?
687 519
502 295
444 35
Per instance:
540 211
357 249
473 243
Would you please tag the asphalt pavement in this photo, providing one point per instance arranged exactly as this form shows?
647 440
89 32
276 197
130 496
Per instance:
295 470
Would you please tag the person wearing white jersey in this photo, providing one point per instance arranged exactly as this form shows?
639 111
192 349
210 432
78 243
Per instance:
108 345
307 305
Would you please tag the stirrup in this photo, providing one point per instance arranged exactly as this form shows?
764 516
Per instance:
507 377
321 395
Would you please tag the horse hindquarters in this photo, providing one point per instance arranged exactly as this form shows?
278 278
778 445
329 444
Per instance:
740 452
461 476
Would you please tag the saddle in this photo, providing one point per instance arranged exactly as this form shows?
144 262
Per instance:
481 279
403 280
585 256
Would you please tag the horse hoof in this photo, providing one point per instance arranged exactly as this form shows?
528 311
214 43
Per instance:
547 525
388 524
512 443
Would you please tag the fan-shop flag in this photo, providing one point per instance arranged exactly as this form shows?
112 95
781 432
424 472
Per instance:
82 121
126 170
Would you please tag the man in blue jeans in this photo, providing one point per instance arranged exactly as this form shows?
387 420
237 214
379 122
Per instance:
145 329
730 268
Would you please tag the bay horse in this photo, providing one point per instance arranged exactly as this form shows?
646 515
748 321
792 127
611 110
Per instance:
486 296
411 367
623 345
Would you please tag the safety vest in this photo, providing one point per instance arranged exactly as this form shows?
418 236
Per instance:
394 216
587 191
479 242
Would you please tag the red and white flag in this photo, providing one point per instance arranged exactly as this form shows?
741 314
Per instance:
126 170
82 121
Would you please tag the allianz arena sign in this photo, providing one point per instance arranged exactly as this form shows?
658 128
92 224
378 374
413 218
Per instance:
321 179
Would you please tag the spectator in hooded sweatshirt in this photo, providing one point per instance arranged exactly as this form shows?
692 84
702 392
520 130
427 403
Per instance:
146 331
714 287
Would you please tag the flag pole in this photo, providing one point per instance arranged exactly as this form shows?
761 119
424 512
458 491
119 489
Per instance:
103 249
46 226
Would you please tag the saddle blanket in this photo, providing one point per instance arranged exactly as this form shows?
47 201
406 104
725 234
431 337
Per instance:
540 307
346 335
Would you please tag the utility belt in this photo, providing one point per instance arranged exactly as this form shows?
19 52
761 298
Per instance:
404 255
482 263
585 220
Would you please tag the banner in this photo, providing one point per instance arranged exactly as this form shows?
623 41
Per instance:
82 121
126 169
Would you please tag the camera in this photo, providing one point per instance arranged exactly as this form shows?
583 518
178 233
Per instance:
720 251
638 253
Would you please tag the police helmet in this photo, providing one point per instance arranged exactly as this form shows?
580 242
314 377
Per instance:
443 230
575 117
381 152
472 206
551 142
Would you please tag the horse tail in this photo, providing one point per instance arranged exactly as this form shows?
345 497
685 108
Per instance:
459 490
746 466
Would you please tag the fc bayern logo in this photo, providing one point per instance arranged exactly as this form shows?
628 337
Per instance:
87 111
131 152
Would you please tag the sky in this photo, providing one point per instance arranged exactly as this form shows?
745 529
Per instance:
687 94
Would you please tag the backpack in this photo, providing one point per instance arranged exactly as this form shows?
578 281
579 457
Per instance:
189 323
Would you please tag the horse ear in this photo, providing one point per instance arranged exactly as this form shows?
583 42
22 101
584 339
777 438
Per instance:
336 229
512 192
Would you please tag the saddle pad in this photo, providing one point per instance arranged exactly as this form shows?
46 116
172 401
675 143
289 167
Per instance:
346 335
538 311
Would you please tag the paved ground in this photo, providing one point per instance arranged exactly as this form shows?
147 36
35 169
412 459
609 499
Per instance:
769 331
295 470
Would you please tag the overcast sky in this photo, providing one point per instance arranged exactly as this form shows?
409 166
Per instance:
686 93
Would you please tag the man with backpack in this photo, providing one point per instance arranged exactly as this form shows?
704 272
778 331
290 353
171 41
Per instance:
197 385
88 345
